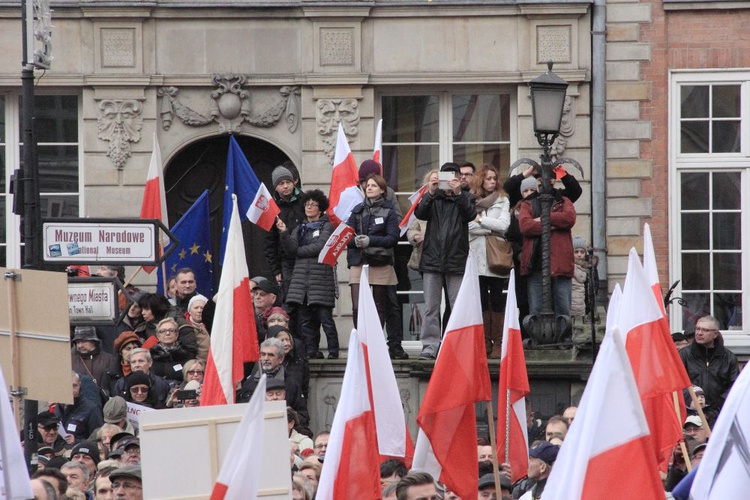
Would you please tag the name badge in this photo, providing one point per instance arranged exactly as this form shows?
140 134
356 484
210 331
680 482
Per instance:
177 367
378 220
316 233
72 427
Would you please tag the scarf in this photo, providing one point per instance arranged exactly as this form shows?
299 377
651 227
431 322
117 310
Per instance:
484 203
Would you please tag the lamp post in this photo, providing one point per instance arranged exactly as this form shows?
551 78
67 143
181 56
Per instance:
547 101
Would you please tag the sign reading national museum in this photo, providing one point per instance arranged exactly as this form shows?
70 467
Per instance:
102 241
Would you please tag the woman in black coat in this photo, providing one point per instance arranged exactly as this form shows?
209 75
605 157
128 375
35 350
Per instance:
376 224
313 286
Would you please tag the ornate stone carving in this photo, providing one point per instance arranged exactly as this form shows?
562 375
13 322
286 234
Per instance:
405 397
118 47
42 27
331 112
553 44
120 123
231 106
331 402
336 46
567 127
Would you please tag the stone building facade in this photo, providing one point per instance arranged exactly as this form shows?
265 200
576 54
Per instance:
448 77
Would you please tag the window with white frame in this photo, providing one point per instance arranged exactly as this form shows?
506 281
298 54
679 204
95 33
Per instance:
710 157
58 156
421 132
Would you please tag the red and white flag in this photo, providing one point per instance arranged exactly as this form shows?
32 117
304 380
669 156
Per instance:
352 466
377 152
336 244
234 339
345 193
409 217
385 397
657 366
154 204
14 477
447 443
649 265
239 477
513 389
608 436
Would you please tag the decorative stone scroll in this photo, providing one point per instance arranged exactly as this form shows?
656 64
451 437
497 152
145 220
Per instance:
231 106
119 123
331 112
567 127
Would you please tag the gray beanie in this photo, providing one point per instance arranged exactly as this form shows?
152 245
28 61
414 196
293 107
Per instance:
529 183
281 174
579 242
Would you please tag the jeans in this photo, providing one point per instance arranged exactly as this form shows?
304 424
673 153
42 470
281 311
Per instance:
561 294
433 284
312 317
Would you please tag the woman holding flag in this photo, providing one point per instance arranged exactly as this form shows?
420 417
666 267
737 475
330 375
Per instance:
313 285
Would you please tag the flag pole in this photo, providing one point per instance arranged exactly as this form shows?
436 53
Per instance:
493 443
683 448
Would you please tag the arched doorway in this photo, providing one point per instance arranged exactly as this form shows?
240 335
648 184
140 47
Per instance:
202 165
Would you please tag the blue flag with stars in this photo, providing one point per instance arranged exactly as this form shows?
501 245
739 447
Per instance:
193 231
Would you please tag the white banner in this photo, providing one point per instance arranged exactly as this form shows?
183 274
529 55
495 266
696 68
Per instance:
134 413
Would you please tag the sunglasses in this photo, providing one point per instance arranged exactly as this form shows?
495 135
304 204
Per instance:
48 428
140 390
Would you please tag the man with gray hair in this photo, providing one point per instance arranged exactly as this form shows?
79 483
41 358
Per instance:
272 364
709 364
141 361
77 475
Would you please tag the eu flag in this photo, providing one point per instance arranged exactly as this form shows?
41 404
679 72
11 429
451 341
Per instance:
193 231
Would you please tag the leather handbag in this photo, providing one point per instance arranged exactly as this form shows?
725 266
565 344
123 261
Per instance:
499 255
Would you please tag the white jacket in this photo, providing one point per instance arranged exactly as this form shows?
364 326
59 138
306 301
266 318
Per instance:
495 220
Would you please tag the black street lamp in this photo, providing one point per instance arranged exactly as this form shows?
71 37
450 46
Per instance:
547 101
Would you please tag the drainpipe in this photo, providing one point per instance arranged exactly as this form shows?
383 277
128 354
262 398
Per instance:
598 136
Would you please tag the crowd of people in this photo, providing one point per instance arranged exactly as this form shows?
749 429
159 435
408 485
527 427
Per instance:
156 356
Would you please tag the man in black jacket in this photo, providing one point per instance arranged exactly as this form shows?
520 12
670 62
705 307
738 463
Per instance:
287 197
709 364
445 250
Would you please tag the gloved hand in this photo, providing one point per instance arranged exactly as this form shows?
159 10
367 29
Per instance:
362 241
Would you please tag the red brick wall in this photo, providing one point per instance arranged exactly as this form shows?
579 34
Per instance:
698 39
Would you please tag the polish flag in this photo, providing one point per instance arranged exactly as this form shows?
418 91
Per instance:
336 244
447 443
385 397
377 152
512 392
14 477
657 366
649 265
609 435
409 217
352 466
154 204
345 193
239 477
234 339
724 472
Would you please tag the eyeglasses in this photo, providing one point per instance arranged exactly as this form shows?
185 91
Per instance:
311 204
125 486
139 390
320 446
133 450
467 175
168 330
195 372
51 427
